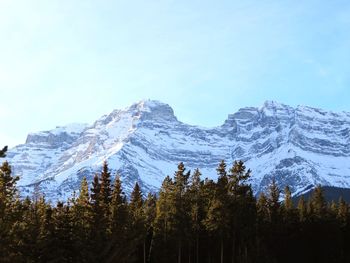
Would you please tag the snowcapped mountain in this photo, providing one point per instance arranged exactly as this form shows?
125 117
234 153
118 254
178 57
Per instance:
299 147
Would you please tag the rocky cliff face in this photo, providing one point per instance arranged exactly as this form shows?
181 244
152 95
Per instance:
299 147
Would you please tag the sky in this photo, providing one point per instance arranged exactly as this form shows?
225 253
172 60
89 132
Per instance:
64 61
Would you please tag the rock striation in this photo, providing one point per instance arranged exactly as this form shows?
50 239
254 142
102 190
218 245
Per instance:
300 147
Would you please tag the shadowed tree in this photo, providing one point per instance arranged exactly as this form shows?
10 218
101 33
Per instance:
3 152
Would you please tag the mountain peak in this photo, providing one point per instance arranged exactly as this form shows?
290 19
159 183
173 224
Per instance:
152 110
272 104
298 147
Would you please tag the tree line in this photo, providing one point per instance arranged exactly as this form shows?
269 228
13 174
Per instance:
189 220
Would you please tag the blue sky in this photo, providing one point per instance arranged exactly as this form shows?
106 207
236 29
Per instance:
64 61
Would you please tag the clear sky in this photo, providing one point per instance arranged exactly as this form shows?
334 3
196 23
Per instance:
64 61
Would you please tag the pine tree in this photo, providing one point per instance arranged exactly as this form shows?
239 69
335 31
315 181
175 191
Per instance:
8 188
166 222
8 196
119 211
343 212
287 205
150 215
222 179
47 238
3 152
82 221
197 210
64 237
318 203
138 223
302 209
273 201
136 202
217 222
118 248
96 192
165 209
262 207
181 205
240 198
237 179
106 190
98 226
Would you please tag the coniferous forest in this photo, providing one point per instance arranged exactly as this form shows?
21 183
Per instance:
190 220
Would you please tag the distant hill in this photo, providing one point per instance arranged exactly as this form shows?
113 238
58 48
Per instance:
331 193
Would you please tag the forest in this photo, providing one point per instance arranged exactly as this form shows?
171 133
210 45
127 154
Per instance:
190 220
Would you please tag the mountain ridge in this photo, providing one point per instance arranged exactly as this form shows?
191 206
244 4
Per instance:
145 141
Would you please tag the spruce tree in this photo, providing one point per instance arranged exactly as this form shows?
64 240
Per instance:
237 179
288 203
150 215
217 222
181 206
118 247
318 203
197 209
343 212
240 198
106 190
3 152
98 226
96 192
302 209
82 221
119 211
222 179
165 225
273 201
8 196
138 224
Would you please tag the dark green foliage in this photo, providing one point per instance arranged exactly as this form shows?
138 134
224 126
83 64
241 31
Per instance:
106 189
3 152
191 220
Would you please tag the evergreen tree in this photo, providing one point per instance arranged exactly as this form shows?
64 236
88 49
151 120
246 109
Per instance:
8 196
318 203
263 208
150 215
165 209
197 209
181 206
3 152
165 221
82 222
118 248
138 224
343 212
237 178
106 189
273 201
288 206
302 209
96 192
217 222
288 203
222 179
240 198
98 226
119 211
64 238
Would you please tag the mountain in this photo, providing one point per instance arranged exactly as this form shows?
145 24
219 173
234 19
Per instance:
330 193
300 147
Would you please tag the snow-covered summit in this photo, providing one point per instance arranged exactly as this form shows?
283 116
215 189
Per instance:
144 142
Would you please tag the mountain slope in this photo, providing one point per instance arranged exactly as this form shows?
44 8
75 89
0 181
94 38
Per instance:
299 147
